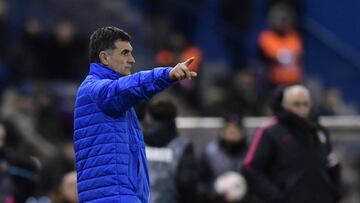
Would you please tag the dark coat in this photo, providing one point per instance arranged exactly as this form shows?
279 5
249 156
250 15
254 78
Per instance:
290 160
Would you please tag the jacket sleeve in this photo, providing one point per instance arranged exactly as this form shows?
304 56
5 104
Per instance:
117 96
255 166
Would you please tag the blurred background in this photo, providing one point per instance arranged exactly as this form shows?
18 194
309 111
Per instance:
243 49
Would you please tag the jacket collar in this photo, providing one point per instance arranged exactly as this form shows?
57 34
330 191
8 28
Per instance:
103 72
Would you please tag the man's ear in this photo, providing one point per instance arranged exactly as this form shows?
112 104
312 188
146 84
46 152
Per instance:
103 58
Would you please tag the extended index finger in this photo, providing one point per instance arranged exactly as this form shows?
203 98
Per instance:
189 61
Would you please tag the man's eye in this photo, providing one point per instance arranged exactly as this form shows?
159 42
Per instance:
125 52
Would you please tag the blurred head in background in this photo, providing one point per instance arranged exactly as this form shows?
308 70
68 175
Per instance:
32 27
159 125
296 99
25 98
3 9
65 32
2 136
281 18
19 100
233 135
68 188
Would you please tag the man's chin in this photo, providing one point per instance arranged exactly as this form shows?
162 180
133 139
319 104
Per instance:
125 73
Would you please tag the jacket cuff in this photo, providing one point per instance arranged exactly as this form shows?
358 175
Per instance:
165 76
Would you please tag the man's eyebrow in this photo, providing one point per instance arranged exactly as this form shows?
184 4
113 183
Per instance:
126 50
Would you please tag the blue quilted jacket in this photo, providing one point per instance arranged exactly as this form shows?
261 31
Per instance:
109 146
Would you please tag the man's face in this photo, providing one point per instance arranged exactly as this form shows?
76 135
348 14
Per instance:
297 101
68 187
121 59
2 136
232 133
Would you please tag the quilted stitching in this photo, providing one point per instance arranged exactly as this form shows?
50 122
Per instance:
107 136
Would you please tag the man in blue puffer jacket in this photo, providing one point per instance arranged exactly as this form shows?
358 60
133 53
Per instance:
109 146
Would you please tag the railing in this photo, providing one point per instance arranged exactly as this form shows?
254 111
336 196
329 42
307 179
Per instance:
344 130
331 122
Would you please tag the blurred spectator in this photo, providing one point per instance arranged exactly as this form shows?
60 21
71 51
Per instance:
47 120
5 74
54 168
66 54
18 109
64 96
68 188
64 192
281 48
222 160
294 4
238 96
214 101
237 13
179 49
237 21
91 14
172 164
4 46
158 16
4 30
18 172
243 94
333 104
290 158
170 16
30 49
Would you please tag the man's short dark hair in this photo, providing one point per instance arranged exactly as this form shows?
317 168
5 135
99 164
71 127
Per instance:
103 39
162 110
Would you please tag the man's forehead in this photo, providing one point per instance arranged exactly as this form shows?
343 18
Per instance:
300 97
123 45
296 93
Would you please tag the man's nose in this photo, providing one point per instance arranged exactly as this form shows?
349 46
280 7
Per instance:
131 60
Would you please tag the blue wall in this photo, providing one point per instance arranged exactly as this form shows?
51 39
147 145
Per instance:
332 47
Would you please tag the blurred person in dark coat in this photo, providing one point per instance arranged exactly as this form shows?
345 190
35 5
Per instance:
18 172
4 29
171 158
5 39
333 103
68 55
221 163
30 48
291 159
236 17
53 171
18 108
